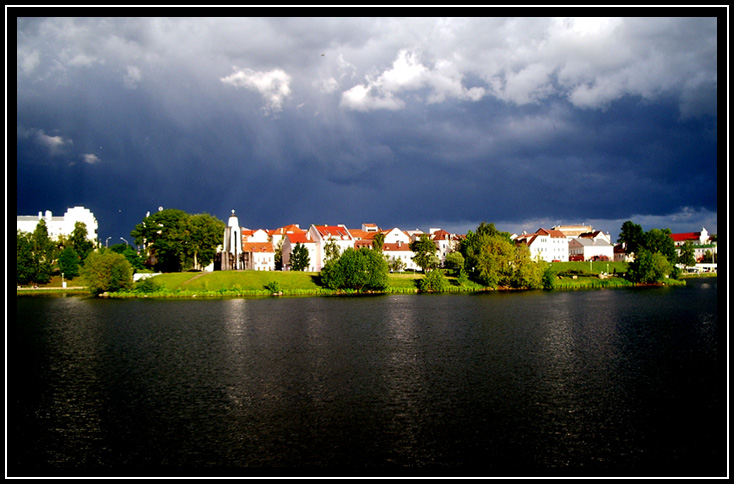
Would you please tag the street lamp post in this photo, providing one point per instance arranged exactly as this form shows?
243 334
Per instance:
123 239
106 241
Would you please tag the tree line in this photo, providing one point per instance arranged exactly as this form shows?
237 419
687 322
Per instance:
172 240
491 258
654 252
175 240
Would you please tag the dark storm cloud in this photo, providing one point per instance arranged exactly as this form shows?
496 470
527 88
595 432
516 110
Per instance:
412 122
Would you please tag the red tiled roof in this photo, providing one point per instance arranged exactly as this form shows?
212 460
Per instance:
301 237
257 247
396 247
442 235
525 239
288 229
362 234
332 230
686 236
358 244
541 231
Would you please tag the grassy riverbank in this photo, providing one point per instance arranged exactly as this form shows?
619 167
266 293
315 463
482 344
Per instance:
255 283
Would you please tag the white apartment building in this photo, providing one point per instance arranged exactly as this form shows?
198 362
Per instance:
324 234
64 225
548 245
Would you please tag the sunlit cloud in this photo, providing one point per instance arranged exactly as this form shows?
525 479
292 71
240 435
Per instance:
90 158
53 144
274 86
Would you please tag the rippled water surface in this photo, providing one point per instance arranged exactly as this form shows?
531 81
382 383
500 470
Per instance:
601 382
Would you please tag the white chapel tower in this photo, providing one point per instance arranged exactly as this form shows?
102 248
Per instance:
232 244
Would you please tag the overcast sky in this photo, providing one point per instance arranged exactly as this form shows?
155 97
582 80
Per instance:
410 123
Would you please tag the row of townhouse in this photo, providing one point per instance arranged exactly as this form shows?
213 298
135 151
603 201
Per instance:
701 241
245 249
396 245
567 243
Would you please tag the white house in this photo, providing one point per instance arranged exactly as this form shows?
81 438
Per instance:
393 236
573 231
289 242
258 256
277 236
258 235
548 245
58 226
445 242
400 251
587 248
591 246
324 234
701 243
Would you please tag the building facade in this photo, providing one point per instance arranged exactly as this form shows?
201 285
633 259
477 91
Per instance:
548 245
61 226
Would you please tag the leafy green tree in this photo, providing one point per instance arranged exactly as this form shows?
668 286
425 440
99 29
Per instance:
299 257
378 269
632 236
485 228
131 255
527 274
69 262
165 237
44 253
331 251
107 271
425 253
79 241
660 240
205 234
549 277
278 255
148 285
434 281
378 241
396 264
26 263
489 255
649 267
687 255
363 269
455 262
332 275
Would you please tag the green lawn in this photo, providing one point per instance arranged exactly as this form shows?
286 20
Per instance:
242 280
292 282
591 267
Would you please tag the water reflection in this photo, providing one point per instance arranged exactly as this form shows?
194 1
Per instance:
593 380
403 376
74 398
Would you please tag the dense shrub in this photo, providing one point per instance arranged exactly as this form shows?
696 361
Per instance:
107 272
147 286
433 281
363 269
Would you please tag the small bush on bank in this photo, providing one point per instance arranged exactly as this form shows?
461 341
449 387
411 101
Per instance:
147 286
434 281
273 287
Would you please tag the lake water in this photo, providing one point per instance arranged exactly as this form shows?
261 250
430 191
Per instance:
594 382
